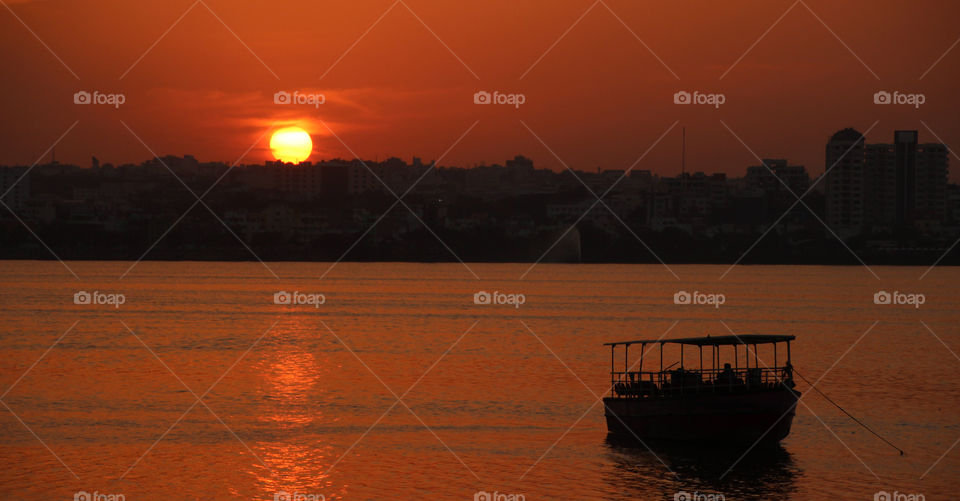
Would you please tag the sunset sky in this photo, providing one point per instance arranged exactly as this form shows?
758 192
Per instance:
199 78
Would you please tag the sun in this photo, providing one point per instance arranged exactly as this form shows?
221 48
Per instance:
291 144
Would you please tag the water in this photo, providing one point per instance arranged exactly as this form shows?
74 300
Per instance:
494 398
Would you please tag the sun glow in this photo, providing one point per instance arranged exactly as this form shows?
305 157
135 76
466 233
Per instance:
291 144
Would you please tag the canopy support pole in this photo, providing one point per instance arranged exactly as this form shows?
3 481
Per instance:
613 381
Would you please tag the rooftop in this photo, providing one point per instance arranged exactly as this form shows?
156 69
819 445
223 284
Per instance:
714 340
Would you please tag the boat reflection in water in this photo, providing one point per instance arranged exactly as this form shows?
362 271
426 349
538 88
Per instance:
768 473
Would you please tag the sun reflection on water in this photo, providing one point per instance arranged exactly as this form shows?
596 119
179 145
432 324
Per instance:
292 395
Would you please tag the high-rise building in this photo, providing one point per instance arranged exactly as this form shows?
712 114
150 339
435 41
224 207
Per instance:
884 186
930 182
844 182
880 185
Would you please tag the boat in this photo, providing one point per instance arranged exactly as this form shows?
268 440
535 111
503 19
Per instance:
734 403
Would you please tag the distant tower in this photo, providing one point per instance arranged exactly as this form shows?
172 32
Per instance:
95 162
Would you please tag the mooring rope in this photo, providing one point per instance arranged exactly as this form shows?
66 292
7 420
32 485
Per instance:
824 395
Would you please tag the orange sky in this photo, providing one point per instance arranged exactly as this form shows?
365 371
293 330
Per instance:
597 98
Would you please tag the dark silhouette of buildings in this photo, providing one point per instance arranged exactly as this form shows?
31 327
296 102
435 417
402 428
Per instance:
889 202
14 190
891 189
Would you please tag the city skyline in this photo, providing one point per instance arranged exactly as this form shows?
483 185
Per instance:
891 201
678 165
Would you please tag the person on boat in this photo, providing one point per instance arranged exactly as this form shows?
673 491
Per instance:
726 375
787 376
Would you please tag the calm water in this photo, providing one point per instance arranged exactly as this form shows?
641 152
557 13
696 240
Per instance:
497 410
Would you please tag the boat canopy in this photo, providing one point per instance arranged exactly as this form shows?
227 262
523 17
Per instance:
714 340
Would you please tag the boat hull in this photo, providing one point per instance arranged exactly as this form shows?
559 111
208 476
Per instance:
724 417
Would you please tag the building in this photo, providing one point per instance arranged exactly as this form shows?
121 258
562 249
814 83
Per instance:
844 182
14 186
888 186
298 182
930 182
764 178
301 182
363 178
880 186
